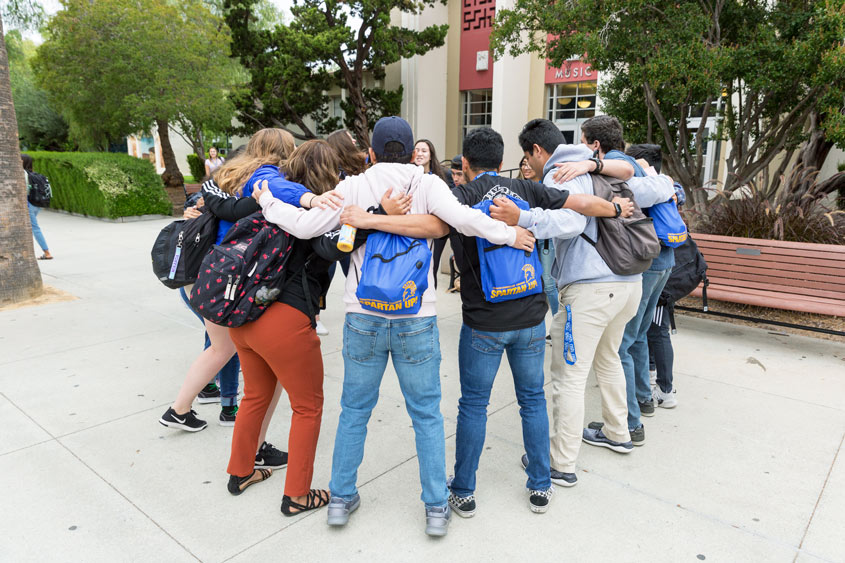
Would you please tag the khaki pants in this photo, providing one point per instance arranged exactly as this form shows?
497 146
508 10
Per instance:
600 312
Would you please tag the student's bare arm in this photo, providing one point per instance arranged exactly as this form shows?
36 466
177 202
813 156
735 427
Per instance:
410 225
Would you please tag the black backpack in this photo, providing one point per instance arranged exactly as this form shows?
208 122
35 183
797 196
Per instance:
40 191
690 270
243 275
180 248
627 245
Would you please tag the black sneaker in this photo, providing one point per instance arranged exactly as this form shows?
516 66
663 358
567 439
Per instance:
187 421
227 415
462 506
209 394
539 501
646 407
558 477
269 457
637 435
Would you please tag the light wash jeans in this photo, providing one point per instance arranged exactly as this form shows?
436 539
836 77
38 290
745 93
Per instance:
479 356
414 346
227 377
36 229
634 348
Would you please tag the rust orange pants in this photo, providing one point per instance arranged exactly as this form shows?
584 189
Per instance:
279 346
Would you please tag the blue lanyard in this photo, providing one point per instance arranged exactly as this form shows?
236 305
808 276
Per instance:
489 172
568 341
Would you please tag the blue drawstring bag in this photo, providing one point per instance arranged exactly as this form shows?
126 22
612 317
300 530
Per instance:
394 274
668 224
507 273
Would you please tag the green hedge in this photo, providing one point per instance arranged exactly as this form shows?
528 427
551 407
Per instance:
102 184
197 166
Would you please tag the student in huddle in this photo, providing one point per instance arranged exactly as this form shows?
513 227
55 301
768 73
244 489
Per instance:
261 158
370 338
603 134
595 303
282 348
515 326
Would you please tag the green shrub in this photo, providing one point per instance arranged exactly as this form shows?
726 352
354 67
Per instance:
102 184
197 166
797 217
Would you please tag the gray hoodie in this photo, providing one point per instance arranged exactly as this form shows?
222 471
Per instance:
576 261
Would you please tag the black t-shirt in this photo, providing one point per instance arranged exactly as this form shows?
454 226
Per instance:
478 313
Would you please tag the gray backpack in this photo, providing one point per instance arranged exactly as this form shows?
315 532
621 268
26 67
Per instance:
627 245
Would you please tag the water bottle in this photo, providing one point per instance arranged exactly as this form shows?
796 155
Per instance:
346 241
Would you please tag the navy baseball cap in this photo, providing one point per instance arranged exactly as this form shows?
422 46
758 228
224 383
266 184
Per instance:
456 163
389 129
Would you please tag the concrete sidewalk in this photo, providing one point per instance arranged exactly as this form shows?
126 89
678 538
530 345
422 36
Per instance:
748 467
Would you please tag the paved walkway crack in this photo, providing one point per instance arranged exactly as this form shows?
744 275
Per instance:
818 500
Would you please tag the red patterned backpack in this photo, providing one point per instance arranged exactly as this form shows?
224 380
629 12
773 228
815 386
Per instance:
243 275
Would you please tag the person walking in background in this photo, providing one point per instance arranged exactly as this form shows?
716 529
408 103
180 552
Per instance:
34 210
213 162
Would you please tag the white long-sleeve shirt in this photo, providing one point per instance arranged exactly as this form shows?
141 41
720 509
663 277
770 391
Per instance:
430 195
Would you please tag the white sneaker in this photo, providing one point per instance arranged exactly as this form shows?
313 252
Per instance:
321 329
665 400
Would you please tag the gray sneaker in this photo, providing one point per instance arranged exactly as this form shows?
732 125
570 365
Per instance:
637 435
340 509
437 520
597 438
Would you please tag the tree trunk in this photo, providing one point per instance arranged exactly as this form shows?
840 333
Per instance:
811 158
360 126
171 176
20 277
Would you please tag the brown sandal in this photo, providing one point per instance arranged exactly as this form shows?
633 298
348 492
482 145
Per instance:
237 485
316 498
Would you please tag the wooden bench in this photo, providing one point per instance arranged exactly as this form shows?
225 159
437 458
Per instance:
794 276
192 188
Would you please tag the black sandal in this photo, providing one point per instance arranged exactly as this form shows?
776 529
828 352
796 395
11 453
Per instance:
316 498
237 485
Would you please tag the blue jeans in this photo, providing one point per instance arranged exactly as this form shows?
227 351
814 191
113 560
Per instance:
547 258
36 229
414 346
227 377
634 348
479 355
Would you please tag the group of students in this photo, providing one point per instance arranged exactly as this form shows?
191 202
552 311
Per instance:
311 190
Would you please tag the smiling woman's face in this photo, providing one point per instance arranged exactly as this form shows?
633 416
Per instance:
422 155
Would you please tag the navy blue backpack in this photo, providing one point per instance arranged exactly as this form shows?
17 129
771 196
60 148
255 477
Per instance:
394 274
507 273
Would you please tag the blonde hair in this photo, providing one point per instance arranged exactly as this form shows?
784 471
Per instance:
267 146
314 164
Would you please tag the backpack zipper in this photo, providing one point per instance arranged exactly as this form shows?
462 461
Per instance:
228 287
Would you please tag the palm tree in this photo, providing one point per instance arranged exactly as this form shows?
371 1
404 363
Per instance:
20 277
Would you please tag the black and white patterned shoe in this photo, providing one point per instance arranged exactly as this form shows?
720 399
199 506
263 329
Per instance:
462 506
539 500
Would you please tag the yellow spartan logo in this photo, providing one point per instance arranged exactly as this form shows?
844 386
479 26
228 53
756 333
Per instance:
521 287
677 237
409 300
